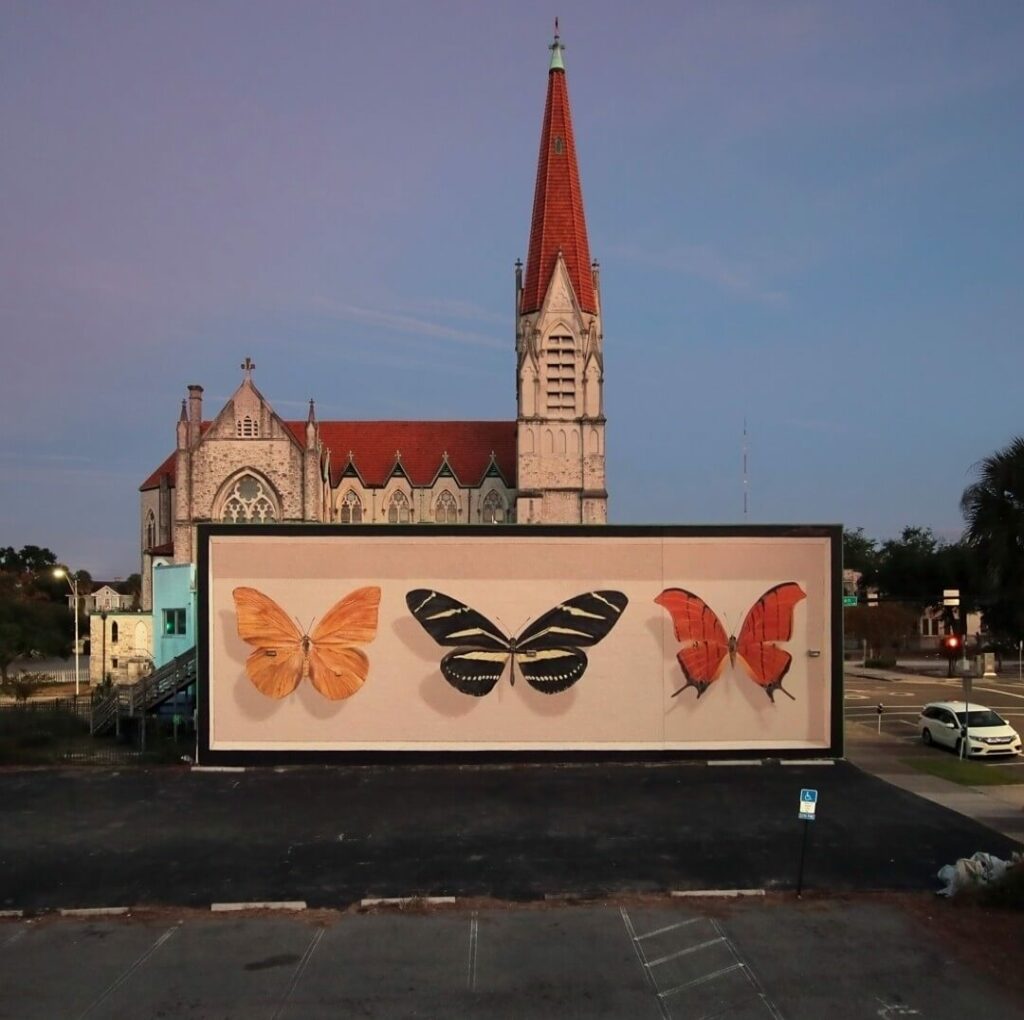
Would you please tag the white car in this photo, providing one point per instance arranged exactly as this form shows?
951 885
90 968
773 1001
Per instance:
943 722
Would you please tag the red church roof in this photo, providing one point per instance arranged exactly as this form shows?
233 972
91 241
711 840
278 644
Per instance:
558 220
421 444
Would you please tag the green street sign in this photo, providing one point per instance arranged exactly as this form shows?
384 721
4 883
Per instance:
849 600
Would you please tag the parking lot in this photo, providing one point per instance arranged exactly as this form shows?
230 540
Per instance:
737 961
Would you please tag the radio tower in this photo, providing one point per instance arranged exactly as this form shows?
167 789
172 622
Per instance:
745 479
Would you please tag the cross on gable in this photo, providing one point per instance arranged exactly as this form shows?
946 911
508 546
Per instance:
247 366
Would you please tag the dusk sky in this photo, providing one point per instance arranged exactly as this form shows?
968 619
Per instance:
807 214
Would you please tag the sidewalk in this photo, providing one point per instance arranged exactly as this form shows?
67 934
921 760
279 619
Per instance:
997 807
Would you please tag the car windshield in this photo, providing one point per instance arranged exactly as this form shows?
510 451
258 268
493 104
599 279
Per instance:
985 717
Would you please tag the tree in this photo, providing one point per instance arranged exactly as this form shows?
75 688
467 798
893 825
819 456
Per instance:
860 553
993 509
133 586
31 626
30 570
884 627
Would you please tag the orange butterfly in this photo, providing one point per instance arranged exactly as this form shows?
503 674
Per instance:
703 655
284 654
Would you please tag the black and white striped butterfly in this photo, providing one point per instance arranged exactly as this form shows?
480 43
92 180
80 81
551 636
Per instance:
548 653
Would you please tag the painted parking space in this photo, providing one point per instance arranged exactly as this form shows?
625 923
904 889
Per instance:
738 961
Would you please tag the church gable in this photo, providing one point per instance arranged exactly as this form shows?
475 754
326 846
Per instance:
248 415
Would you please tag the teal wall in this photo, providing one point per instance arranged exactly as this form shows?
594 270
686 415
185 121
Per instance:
173 589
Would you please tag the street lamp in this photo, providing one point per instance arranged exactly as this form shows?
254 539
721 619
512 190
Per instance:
72 580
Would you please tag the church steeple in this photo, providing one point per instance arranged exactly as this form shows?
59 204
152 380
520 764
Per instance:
560 419
558 222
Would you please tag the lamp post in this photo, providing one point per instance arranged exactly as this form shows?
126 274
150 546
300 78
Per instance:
72 580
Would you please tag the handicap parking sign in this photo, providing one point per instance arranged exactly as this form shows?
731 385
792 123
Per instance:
808 804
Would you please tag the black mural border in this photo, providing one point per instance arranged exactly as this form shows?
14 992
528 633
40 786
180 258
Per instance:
207 757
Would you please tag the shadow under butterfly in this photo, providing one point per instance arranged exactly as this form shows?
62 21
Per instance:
549 652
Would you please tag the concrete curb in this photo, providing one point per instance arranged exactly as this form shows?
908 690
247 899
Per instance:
223 908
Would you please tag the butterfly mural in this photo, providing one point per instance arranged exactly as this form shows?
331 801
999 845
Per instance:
706 643
327 655
549 652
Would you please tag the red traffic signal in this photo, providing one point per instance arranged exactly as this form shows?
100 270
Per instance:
951 642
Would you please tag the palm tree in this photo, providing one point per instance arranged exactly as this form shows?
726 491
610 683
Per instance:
993 508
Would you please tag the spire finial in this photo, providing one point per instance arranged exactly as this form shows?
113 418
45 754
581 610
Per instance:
247 366
556 52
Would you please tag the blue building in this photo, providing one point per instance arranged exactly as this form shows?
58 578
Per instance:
174 611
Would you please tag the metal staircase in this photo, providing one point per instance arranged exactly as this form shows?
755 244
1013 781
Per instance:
144 695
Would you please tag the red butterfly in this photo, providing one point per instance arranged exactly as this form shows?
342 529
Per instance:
702 657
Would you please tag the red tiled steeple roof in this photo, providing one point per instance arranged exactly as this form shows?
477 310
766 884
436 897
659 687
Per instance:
558 220
422 445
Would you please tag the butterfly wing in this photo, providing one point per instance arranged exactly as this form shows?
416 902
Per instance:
481 650
276 666
770 619
336 668
548 652
705 641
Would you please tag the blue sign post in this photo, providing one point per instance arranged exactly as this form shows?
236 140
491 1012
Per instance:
808 809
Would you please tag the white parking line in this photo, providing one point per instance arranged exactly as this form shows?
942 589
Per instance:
703 979
117 982
474 934
299 971
661 931
1009 694
642 957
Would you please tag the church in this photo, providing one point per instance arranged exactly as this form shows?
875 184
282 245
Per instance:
247 464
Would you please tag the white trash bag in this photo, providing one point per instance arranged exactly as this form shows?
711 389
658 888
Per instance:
970 872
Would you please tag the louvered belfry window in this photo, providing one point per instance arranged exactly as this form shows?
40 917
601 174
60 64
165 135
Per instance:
560 370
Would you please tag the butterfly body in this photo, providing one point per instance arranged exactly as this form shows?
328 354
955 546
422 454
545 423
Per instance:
548 653
706 644
326 655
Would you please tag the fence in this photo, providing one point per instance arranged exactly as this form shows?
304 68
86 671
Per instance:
80 706
52 676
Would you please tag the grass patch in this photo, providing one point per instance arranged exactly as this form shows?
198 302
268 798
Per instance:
966 773
1007 894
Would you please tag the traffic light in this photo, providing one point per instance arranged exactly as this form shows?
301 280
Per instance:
951 642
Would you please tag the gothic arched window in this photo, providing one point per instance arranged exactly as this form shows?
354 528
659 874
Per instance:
150 530
446 510
351 509
249 499
113 632
398 508
493 508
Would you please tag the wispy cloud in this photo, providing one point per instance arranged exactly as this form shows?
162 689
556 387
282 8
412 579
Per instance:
704 263
454 308
408 324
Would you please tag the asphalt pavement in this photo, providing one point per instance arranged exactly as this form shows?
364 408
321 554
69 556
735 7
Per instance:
668 961
334 836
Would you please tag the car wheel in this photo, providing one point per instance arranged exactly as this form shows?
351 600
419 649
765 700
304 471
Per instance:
926 737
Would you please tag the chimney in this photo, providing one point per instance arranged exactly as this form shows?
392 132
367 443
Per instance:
195 414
